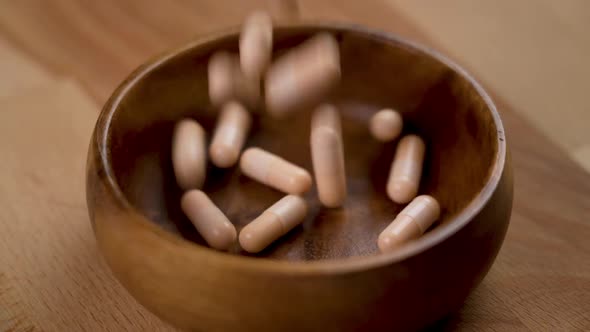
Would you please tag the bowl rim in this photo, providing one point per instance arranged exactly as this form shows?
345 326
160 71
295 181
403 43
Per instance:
327 266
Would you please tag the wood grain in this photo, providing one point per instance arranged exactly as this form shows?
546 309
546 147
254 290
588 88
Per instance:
19 72
538 62
53 32
540 281
51 276
582 156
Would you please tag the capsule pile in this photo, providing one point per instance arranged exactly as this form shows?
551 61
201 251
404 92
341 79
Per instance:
297 80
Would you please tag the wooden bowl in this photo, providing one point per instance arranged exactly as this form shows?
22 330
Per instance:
327 274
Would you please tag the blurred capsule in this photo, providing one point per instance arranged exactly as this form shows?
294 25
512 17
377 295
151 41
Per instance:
227 82
327 154
406 169
273 223
303 75
189 156
256 44
209 221
230 135
275 171
285 10
410 223
386 125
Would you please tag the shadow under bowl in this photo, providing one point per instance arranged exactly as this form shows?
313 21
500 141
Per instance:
325 275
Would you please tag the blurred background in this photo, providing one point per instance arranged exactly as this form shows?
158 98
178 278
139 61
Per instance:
532 53
61 59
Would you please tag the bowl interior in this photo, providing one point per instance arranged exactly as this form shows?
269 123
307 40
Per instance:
437 103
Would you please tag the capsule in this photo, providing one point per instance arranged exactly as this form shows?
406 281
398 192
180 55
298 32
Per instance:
209 221
410 223
273 223
327 155
227 82
230 135
189 156
303 76
386 125
275 171
406 169
256 44
285 10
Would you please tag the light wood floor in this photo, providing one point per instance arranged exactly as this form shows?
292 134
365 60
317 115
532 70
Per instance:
61 59
534 53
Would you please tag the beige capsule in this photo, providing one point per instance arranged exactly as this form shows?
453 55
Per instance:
227 82
386 125
406 169
189 156
303 75
230 135
410 223
256 44
285 10
275 171
220 78
327 154
209 221
273 223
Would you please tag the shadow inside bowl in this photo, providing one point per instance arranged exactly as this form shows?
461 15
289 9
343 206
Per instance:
436 102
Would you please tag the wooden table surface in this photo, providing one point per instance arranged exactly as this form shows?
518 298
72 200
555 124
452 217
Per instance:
60 60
